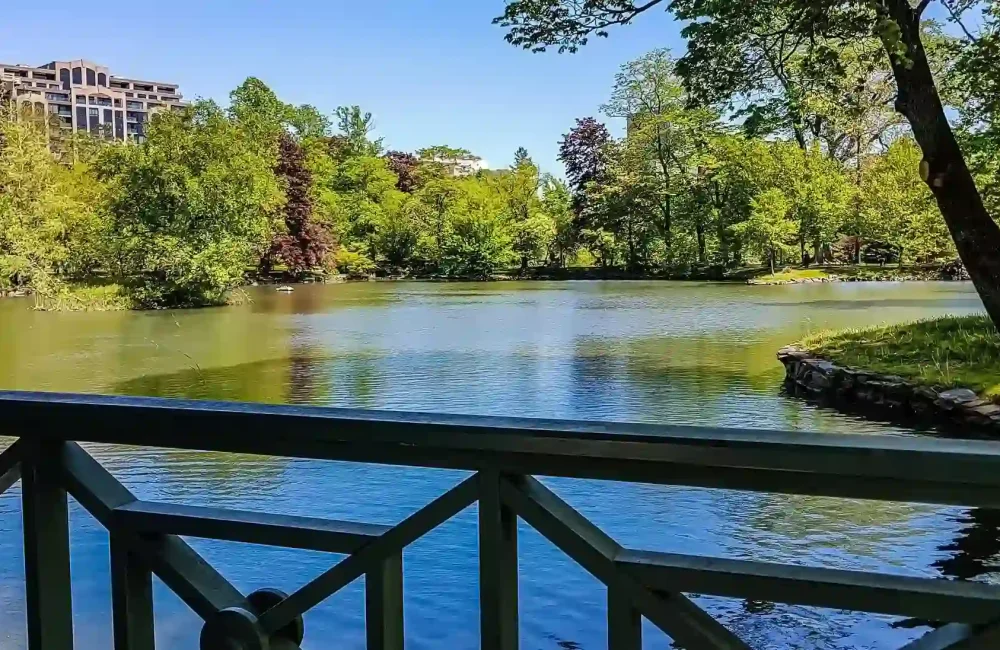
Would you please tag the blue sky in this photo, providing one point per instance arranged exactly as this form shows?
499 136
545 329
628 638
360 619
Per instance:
431 71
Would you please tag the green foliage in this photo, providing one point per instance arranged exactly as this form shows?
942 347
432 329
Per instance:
557 203
48 220
354 263
191 208
897 208
477 238
769 227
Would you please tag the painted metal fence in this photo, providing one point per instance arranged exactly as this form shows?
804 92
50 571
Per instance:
503 454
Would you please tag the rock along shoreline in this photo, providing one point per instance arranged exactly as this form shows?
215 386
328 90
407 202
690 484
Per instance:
886 396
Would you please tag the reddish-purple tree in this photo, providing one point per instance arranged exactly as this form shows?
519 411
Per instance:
405 167
582 152
305 242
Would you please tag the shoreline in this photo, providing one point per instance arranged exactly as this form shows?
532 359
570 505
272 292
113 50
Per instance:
956 410
749 276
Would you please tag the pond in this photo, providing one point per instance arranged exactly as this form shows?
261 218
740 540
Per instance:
667 352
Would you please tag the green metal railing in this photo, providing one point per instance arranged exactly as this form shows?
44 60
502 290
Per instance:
503 453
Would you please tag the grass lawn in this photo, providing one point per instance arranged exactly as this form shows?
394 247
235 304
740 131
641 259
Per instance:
951 351
787 274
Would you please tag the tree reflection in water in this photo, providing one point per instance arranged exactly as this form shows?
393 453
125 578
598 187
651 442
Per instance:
976 549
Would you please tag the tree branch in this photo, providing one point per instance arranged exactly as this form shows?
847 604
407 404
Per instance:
920 7
957 19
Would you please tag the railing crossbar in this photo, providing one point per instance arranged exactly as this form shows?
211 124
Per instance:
958 636
193 579
391 543
591 548
921 598
893 468
10 466
309 533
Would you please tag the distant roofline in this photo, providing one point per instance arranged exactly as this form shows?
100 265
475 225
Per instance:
144 81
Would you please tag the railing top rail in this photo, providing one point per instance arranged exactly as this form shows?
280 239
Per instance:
882 467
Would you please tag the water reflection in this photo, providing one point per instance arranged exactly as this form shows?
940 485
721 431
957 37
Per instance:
975 551
683 353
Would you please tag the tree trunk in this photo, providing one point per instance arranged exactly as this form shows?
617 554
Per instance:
667 225
771 258
700 231
976 235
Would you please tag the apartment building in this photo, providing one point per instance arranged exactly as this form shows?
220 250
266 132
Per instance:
83 96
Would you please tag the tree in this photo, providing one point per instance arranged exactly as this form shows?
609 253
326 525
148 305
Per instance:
582 152
444 160
259 112
30 206
557 203
476 239
404 165
356 128
674 133
521 157
717 34
304 243
768 230
308 123
532 230
397 230
623 204
899 207
192 207
975 86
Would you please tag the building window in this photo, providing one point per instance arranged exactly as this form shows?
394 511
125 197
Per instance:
129 95
81 99
134 105
91 77
142 96
64 78
107 116
94 112
118 102
78 76
81 117
152 96
102 79
152 105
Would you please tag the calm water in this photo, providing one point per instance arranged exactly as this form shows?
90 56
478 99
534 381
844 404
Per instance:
656 352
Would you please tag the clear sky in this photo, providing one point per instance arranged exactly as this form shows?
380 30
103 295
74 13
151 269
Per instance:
431 71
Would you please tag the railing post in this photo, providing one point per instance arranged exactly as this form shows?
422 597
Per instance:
497 567
384 604
624 622
46 549
131 599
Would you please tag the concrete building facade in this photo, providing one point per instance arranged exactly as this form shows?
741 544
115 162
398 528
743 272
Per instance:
83 96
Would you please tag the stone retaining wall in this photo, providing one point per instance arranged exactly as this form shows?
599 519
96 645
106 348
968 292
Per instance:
886 395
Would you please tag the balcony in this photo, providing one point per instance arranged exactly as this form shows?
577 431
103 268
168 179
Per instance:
501 455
